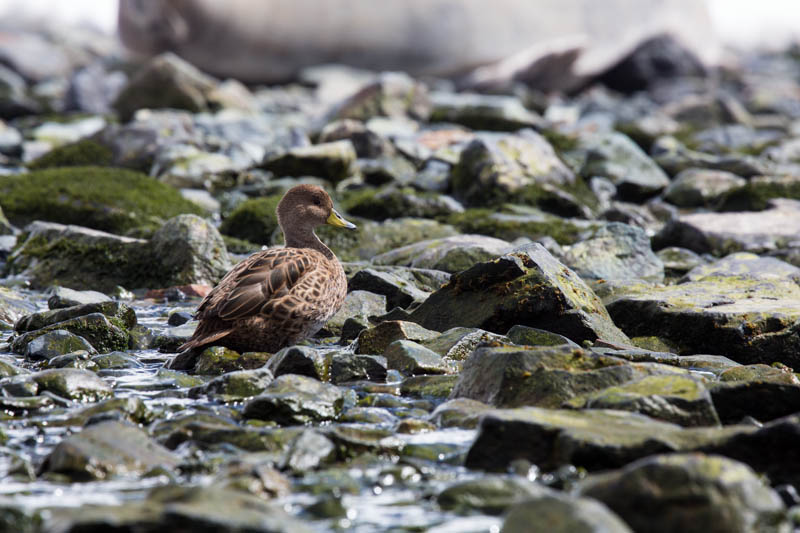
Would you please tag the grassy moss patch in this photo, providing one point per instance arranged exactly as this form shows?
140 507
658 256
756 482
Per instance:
254 220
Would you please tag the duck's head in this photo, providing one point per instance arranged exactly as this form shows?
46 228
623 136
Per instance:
304 207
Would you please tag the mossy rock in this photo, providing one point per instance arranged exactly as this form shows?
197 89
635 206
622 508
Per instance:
756 194
81 153
109 199
254 220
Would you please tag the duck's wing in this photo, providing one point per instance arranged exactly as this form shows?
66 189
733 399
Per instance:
262 281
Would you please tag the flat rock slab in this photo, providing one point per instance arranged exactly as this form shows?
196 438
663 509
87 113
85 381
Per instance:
749 320
108 449
527 287
722 233
450 254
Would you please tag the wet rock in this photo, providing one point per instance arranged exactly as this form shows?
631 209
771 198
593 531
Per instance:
679 399
459 412
525 336
489 494
128 409
656 60
616 157
236 385
450 254
13 306
216 360
116 361
358 305
8 367
556 512
179 318
527 287
253 220
398 289
375 416
300 360
689 492
411 358
292 399
103 334
346 366
122 314
165 81
482 111
757 193
79 359
615 252
75 384
747 319
54 343
377 339
189 250
62 297
393 94
696 187
522 168
511 376
458 343
108 199
331 161
310 450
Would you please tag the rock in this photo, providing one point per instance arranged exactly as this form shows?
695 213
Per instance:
235 386
292 399
107 199
679 399
558 513
450 254
748 319
525 336
411 358
308 451
482 111
346 367
179 318
615 252
61 297
744 264
524 168
459 412
93 89
189 250
358 305
674 157
300 360
528 287
54 343
391 201
366 142
184 165
71 383
331 161
79 359
697 187
730 138
512 376
253 220
490 494
616 157
116 361
165 81
14 99
393 94
387 170
122 314
83 152
682 492
761 392
678 261
377 339
216 360
398 289
13 306
656 60
104 335
10 138
757 193
457 343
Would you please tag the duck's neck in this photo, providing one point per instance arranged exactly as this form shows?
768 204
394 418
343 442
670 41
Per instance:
308 240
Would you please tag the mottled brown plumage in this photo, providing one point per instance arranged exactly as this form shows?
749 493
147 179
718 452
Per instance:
278 297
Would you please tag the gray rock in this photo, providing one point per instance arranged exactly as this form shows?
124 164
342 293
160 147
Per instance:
377 339
674 157
179 318
165 81
235 386
300 360
491 494
116 361
696 187
760 392
744 264
528 287
367 143
449 254
13 306
36 57
106 450
398 289
457 343
331 161
93 89
616 157
757 193
123 314
185 165
734 138
61 297
75 384
748 319
411 358
387 170
79 359
724 233
615 252
678 261
102 333
10 139
696 492
391 201
393 94
482 111
495 168
459 412
525 336
292 399
358 305
559 513
308 451
679 399
346 366
54 343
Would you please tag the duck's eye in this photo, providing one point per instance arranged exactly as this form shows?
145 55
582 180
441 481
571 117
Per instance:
317 201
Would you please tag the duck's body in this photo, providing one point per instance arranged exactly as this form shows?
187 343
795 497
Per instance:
278 297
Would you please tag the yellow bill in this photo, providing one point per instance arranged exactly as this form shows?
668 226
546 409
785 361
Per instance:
335 219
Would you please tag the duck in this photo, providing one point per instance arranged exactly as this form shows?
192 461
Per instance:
279 296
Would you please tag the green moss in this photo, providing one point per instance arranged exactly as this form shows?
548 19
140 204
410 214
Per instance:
482 221
239 246
756 194
108 199
560 142
83 152
253 220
